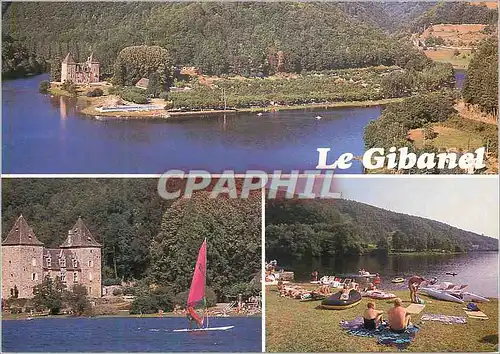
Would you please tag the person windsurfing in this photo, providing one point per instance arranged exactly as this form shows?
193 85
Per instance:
193 317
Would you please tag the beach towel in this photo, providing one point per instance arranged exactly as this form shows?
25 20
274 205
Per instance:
444 318
383 334
415 309
477 315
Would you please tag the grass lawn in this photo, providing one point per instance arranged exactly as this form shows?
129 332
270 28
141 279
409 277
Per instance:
294 326
448 56
448 138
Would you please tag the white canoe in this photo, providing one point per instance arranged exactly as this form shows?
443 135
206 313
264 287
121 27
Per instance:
441 295
468 296
203 329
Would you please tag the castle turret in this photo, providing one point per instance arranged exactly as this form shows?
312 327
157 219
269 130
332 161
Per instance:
68 69
22 257
94 66
87 259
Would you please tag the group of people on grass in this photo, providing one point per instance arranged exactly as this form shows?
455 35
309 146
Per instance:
397 317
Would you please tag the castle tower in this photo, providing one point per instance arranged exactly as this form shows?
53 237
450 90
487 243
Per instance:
94 66
87 260
22 256
68 69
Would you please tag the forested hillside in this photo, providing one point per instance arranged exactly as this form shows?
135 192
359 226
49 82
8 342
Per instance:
323 228
481 83
242 38
126 215
460 12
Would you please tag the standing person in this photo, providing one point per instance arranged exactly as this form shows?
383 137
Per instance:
377 281
413 284
314 275
398 318
193 317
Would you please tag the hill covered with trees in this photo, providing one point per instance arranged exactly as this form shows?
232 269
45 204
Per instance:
143 236
324 228
239 38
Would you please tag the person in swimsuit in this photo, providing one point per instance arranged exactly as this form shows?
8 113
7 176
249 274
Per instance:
371 317
399 320
413 284
345 293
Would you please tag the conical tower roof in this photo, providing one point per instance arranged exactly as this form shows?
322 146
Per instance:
69 59
79 236
21 234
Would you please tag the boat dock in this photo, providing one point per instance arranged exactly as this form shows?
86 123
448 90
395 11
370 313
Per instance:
134 108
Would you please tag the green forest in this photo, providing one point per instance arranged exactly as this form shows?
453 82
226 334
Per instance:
143 236
324 228
239 38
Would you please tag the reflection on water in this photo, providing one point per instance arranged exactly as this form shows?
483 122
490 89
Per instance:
46 135
477 269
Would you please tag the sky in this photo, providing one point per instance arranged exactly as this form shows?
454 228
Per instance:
468 202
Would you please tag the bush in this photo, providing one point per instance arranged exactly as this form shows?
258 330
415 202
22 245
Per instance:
134 94
95 92
152 301
130 290
44 87
117 292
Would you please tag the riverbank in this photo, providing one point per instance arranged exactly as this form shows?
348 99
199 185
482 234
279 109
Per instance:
90 109
294 326
124 314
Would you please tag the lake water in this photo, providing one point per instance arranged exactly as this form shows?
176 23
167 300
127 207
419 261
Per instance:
46 135
129 335
477 269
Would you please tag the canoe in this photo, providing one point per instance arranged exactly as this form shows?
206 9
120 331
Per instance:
335 303
468 296
377 294
441 295
398 280
451 273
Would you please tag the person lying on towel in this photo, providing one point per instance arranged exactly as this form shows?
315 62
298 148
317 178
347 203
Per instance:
399 320
371 317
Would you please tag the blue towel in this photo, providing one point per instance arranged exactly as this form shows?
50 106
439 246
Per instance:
383 333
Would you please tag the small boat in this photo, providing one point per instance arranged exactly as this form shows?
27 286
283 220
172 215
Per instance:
259 114
335 303
196 294
451 273
442 295
318 117
398 280
467 296
378 294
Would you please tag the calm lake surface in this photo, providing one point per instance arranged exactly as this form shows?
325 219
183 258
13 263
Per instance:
477 269
129 335
45 135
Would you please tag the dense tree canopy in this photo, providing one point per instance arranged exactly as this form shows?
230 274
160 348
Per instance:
232 229
242 38
17 61
137 62
481 83
299 230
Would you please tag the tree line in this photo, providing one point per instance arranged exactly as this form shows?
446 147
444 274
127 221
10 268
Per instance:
302 230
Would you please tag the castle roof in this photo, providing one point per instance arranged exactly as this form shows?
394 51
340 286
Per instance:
79 236
21 234
69 59
60 259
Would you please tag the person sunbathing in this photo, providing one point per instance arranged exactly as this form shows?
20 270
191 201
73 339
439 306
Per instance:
345 293
372 317
399 320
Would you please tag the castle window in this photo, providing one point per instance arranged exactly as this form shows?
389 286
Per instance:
75 263
90 276
62 262
33 262
49 262
34 276
10 262
91 264
75 277
12 275
90 290
62 276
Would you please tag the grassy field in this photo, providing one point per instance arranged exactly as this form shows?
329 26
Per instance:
444 55
294 326
448 138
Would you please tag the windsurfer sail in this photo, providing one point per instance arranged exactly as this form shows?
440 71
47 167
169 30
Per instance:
197 290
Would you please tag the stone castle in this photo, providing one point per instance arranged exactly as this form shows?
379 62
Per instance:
26 262
80 73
